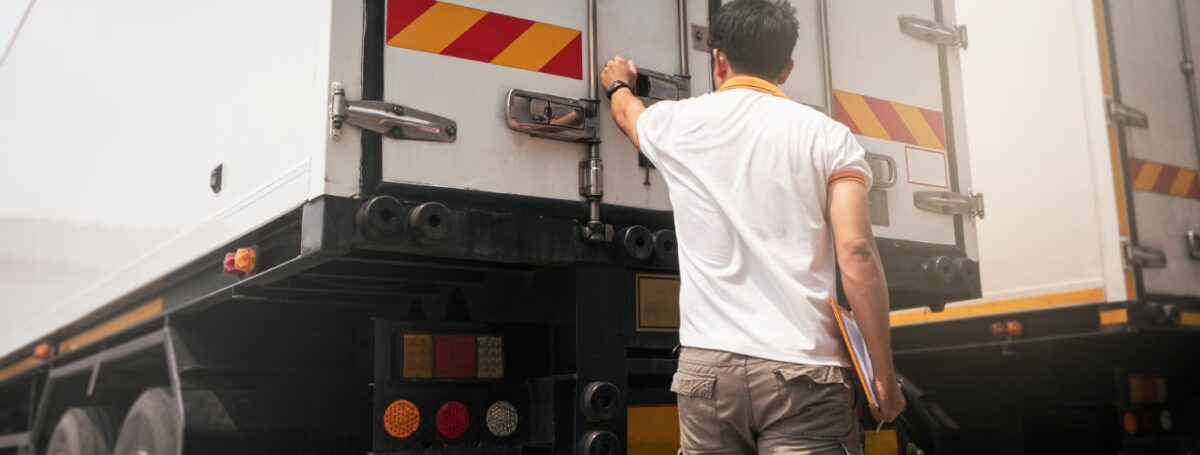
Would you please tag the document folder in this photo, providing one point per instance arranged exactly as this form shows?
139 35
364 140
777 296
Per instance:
857 347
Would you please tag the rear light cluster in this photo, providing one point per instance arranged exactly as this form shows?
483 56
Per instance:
1148 393
446 356
1011 329
402 419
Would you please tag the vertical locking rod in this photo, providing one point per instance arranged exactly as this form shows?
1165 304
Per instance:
1189 72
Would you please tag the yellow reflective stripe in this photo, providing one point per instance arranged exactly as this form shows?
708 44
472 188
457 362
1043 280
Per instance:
536 46
1147 176
988 308
918 126
652 429
1114 316
1182 182
114 325
437 28
1189 318
856 106
18 367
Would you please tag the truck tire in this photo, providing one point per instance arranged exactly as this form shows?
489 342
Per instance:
151 427
84 431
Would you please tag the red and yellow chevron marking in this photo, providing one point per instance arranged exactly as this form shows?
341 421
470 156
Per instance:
889 120
474 34
1155 177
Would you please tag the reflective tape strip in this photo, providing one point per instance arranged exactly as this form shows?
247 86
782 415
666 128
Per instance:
967 310
652 429
112 326
1154 177
890 120
1114 316
474 34
1189 318
18 367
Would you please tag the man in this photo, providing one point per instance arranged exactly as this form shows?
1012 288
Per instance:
765 190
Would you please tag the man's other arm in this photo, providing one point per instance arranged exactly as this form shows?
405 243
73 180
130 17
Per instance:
626 108
865 286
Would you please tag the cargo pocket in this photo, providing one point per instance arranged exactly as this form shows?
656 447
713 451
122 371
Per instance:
817 402
699 428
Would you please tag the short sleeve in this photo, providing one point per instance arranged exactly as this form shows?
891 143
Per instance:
845 159
652 130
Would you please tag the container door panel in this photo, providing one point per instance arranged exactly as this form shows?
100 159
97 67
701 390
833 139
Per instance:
1148 46
647 33
888 90
459 60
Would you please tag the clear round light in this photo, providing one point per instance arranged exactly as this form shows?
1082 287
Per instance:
502 419
1165 421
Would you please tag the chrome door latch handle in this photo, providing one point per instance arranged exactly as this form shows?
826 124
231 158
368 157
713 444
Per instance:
883 170
551 116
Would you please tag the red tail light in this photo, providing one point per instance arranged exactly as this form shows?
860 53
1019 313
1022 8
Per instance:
454 356
453 419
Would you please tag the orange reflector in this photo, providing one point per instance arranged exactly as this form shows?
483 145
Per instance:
1015 328
1130 422
418 356
401 419
245 260
42 351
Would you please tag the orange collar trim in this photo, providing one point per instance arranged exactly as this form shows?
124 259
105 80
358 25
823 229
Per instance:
752 83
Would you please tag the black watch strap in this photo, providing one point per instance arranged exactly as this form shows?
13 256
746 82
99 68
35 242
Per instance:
617 86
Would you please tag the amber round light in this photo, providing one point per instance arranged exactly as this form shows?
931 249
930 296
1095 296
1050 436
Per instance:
401 419
1130 423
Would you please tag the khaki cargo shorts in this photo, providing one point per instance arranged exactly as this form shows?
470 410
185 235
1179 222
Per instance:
736 404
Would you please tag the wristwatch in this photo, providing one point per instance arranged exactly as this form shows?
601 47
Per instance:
617 85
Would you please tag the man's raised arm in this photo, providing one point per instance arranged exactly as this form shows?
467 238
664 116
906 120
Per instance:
626 108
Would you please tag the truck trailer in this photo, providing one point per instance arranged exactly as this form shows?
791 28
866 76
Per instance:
411 228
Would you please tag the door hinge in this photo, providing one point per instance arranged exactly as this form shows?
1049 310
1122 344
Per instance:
954 36
950 203
1125 115
391 120
1141 256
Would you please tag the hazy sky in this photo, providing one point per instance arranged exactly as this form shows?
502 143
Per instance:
10 15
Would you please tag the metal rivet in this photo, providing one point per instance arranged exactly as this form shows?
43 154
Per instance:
395 132
398 110
451 130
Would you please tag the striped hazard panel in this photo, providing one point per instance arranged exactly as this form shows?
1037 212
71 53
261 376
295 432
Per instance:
474 34
1154 177
889 120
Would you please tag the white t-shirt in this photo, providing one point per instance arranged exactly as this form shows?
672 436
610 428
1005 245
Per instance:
748 174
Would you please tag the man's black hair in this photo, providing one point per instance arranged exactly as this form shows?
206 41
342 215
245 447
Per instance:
757 36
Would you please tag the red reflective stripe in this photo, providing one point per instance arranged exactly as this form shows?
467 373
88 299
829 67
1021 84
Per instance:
1165 179
400 13
936 123
1135 168
488 37
890 120
569 61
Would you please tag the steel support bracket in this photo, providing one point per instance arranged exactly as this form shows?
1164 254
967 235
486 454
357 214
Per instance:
389 119
1141 256
1124 115
954 36
950 203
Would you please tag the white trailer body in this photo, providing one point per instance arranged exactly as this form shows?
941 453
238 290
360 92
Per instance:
1092 199
123 133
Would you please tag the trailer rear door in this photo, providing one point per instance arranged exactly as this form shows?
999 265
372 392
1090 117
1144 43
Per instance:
1153 109
461 59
